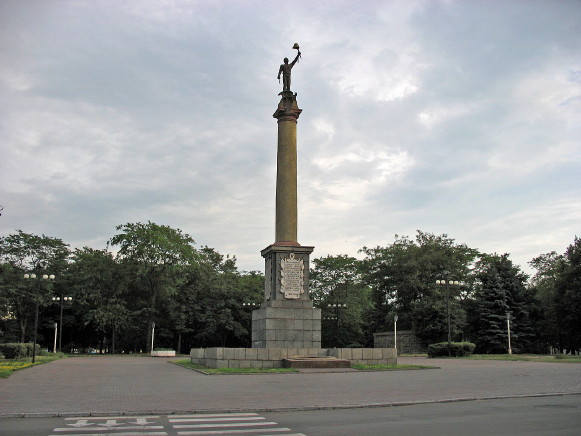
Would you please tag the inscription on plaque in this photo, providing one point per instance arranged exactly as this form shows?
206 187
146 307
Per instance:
292 277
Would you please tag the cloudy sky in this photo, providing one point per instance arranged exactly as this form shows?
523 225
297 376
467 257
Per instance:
456 117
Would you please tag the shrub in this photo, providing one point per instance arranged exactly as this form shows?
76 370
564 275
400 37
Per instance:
29 347
14 351
457 349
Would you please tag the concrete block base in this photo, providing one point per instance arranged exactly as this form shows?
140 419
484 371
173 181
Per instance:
273 357
286 324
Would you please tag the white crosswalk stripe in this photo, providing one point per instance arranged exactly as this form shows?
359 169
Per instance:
250 424
228 424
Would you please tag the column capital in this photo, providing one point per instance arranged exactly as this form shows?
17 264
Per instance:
288 109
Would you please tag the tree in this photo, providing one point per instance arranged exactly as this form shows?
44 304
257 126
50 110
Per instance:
430 318
557 284
19 253
569 298
153 254
503 293
222 319
403 274
337 288
492 310
100 297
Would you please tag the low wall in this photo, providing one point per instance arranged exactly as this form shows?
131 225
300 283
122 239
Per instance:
272 357
407 342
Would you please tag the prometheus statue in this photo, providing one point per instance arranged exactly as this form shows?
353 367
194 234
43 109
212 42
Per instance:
285 69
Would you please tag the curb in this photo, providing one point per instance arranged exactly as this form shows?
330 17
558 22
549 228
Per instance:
274 409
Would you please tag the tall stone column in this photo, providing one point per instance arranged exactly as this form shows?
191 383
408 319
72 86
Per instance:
287 114
287 318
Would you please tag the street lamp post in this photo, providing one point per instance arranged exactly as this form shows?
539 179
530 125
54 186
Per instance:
395 333
39 266
152 333
447 283
508 329
62 300
55 331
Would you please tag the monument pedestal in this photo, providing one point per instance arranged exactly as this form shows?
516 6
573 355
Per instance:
287 318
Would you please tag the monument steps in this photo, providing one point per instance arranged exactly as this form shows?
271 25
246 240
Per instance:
315 362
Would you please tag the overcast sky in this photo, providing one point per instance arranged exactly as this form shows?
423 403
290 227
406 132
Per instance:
456 117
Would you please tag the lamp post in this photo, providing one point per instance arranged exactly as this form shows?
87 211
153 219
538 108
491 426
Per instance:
38 267
508 329
55 330
62 300
395 333
447 283
152 334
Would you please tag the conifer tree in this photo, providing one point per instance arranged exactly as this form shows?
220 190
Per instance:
492 309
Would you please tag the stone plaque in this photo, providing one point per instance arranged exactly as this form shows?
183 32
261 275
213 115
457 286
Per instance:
292 277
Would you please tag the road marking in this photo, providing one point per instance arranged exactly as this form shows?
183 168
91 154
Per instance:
242 418
227 424
185 425
108 428
155 433
211 415
235 424
112 425
93 418
226 432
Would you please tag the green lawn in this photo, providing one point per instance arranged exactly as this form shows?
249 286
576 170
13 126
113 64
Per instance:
526 357
391 367
7 366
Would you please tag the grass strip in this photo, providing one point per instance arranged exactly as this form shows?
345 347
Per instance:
188 364
391 367
8 366
525 358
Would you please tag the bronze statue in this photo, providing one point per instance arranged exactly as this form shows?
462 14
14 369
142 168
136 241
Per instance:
285 70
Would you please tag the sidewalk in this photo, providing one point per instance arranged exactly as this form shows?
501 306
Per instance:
129 385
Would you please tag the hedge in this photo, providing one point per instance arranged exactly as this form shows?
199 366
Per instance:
457 349
17 350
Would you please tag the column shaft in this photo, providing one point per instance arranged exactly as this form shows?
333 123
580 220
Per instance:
286 183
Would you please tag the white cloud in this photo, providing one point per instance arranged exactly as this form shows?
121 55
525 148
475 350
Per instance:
455 117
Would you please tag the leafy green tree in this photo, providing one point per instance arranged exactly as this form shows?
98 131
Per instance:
337 288
431 321
100 292
557 284
19 253
221 319
569 298
153 255
403 274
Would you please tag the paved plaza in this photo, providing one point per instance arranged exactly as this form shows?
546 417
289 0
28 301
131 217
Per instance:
100 385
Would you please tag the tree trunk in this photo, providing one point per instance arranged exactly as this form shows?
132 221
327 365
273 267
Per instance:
22 330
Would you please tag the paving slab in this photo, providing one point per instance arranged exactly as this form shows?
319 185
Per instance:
128 385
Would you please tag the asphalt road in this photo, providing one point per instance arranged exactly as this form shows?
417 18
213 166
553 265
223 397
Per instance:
551 415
